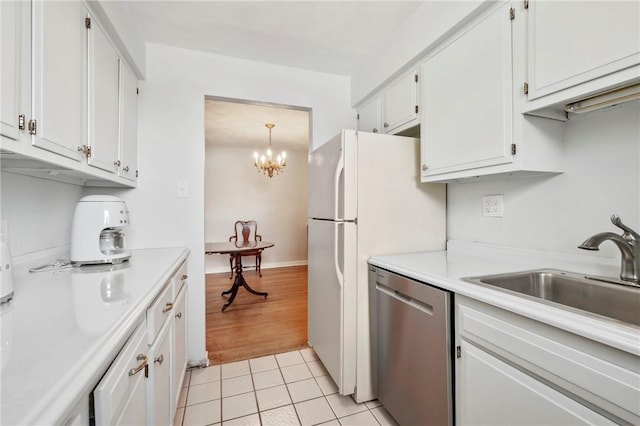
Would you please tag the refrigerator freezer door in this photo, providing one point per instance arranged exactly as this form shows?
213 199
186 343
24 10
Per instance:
332 178
332 298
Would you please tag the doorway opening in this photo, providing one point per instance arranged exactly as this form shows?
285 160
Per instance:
236 190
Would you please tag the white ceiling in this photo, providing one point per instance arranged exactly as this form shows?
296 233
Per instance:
243 124
337 37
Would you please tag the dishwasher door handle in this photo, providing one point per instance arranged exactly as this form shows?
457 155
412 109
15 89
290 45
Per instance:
421 306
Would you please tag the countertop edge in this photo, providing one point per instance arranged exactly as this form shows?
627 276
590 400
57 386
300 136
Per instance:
90 368
607 332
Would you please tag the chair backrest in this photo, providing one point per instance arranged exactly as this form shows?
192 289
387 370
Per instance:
245 231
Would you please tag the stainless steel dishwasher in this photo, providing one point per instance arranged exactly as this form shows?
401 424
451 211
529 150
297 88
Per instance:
411 348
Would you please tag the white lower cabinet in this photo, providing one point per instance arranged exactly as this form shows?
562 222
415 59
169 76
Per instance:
120 397
142 385
159 391
493 392
512 370
179 355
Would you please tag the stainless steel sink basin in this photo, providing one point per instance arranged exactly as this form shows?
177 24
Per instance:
612 300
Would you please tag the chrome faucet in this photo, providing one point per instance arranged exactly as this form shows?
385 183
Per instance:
629 245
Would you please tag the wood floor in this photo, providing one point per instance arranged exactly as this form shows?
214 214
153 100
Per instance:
253 326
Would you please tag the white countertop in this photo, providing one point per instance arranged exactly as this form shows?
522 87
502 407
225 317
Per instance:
463 259
63 329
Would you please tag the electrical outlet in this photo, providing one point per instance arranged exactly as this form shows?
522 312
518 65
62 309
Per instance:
493 205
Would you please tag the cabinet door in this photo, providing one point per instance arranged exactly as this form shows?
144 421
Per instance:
10 71
120 397
369 116
574 42
467 99
491 392
59 76
104 68
179 355
159 391
400 102
128 123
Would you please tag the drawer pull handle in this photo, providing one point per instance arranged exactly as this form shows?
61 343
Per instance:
159 360
142 365
167 307
179 315
184 277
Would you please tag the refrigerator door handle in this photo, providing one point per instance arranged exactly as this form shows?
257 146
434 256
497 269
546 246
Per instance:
337 190
336 262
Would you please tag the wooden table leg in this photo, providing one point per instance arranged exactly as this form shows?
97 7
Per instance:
238 282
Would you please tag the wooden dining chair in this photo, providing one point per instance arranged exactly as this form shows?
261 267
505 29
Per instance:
247 231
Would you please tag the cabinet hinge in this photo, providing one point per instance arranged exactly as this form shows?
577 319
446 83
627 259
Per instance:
87 23
416 78
21 122
512 14
417 109
525 87
136 173
33 127
85 149
458 352
513 149
526 4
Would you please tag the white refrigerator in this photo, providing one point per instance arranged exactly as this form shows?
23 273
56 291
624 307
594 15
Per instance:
365 199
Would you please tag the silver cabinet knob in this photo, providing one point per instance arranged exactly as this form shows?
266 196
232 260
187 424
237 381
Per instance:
159 360
167 307
386 125
425 167
375 130
117 163
184 277
125 168
179 315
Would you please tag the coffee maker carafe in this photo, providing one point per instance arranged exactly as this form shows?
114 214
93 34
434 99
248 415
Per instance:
97 231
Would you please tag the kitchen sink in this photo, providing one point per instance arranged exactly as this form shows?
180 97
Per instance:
590 294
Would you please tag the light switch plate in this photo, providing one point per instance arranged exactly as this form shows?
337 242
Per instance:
493 205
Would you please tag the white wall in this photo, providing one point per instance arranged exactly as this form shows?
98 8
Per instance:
171 145
602 177
234 190
38 212
432 22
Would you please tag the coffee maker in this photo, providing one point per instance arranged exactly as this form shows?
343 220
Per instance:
97 231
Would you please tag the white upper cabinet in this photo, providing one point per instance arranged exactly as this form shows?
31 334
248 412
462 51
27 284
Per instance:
472 123
10 37
128 123
59 77
62 71
104 67
400 104
369 116
581 48
467 99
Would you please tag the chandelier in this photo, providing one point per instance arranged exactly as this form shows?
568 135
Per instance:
266 163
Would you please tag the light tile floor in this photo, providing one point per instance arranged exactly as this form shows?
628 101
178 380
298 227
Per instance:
291 388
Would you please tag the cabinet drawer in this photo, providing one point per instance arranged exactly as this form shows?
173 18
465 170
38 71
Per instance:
603 377
120 389
158 312
179 279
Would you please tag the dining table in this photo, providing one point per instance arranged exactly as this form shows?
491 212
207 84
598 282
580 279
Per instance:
235 249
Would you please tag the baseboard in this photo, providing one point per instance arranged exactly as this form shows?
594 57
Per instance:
271 265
